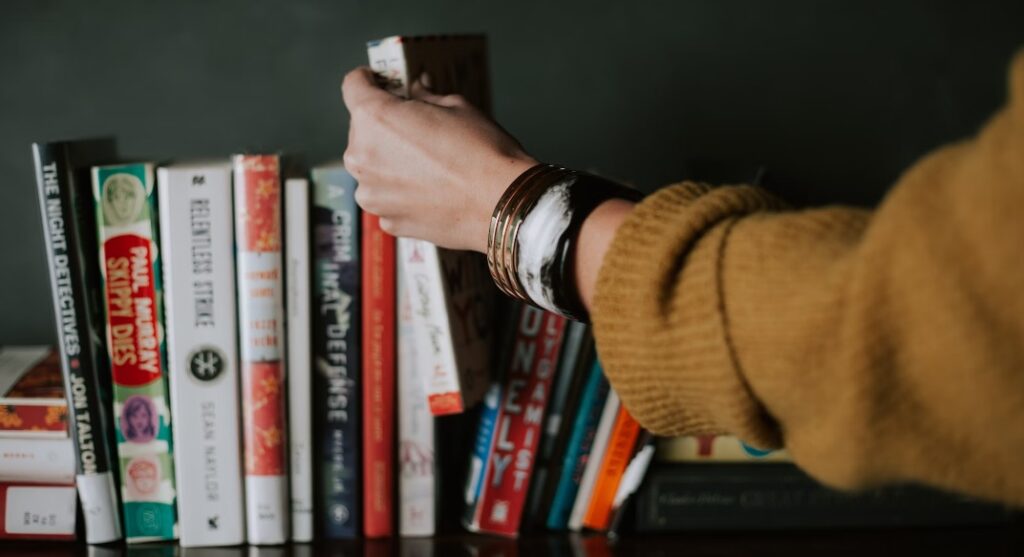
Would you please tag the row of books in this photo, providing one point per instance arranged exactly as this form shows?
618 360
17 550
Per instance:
183 323
248 357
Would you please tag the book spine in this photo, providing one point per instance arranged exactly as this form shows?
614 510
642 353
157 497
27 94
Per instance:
430 319
34 418
478 458
300 359
620 448
378 377
33 405
416 449
687 497
593 462
520 420
130 264
70 234
37 460
197 243
452 291
337 290
591 406
566 377
261 339
37 512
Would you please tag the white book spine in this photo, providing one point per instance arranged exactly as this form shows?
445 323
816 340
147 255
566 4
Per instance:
300 415
197 243
30 510
597 450
416 479
432 328
37 460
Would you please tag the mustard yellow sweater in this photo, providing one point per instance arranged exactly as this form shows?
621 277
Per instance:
876 346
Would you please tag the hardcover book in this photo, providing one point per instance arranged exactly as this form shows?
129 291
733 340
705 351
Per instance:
519 422
378 336
260 272
126 216
197 243
32 401
336 313
452 293
300 358
37 511
760 496
69 226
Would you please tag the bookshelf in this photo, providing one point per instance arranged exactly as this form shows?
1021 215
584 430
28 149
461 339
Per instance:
183 101
923 541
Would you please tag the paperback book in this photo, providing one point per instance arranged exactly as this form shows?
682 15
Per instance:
126 216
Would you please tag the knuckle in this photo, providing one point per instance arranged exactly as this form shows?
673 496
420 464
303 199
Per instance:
352 161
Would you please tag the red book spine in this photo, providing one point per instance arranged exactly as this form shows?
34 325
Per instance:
520 419
37 511
378 378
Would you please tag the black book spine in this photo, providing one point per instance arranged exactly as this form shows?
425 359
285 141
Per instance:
69 226
569 379
764 496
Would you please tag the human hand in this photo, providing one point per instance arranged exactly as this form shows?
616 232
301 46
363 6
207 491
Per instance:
431 167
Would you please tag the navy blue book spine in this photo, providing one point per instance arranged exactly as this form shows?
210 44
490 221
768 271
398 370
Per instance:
336 353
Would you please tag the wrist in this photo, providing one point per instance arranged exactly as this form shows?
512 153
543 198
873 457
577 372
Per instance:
534 231
502 172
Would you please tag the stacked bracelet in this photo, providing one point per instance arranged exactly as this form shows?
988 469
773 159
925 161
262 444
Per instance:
532 237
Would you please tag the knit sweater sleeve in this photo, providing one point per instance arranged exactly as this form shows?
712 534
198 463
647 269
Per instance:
876 346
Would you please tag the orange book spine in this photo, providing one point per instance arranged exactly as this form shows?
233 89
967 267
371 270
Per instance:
625 432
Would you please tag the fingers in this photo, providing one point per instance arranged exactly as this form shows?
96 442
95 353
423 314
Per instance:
359 89
421 91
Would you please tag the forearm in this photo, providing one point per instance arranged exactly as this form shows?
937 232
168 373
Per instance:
595 237
878 346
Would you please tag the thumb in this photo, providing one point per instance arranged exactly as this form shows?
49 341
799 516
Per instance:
360 86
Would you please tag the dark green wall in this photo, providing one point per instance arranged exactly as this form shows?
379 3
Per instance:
833 98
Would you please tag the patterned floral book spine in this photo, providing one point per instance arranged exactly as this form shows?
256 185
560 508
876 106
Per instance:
126 217
261 342
34 406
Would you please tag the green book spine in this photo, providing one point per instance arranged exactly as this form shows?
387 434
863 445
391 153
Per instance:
126 216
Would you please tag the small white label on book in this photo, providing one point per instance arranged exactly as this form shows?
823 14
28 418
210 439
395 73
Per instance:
40 510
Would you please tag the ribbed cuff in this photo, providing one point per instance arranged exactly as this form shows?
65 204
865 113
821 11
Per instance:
662 333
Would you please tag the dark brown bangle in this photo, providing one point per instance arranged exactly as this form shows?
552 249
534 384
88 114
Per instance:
539 216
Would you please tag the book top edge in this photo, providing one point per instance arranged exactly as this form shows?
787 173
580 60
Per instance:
424 38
